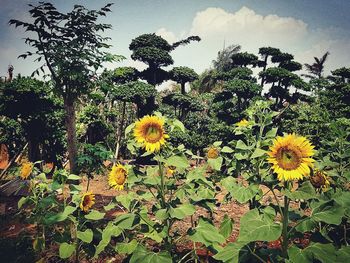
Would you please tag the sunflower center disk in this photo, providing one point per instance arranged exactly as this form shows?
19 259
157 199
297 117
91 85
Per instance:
120 177
87 200
153 134
288 159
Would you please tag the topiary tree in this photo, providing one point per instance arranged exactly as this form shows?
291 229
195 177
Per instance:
71 46
237 73
155 51
136 92
266 52
244 90
243 59
28 102
182 75
183 104
281 79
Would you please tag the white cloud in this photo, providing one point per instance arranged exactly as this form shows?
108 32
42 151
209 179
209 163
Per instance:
245 27
167 35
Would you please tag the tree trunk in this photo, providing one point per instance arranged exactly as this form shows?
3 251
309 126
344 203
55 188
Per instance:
120 133
69 107
33 150
183 91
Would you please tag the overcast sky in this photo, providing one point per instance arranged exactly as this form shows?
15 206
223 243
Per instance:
303 28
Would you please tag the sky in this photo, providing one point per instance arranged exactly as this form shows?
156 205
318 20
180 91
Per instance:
304 28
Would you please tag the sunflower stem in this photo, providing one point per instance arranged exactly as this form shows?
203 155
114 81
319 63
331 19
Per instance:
163 204
285 227
76 238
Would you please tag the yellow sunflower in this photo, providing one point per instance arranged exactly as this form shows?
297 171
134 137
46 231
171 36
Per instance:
87 201
320 181
26 170
291 157
170 170
149 131
212 153
242 123
117 177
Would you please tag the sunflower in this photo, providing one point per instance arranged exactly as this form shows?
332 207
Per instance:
291 157
26 170
149 131
242 123
170 170
87 201
320 181
117 177
212 153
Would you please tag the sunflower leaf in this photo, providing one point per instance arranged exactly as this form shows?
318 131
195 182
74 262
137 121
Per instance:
255 226
66 250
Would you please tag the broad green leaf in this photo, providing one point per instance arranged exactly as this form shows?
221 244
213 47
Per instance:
343 254
162 214
206 233
127 221
306 225
51 219
343 199
296 255
126 199
179 125
240 156
129 129
239 192
231 252
182 211
271 133
154 235
241 145
227 149
226 226
22 201
142 255
217 143
178 161
107 233
126 248
216 163
95 215
258 153
323 252
329 212
258 227
66 250
73 177
306 192
85 236
108 207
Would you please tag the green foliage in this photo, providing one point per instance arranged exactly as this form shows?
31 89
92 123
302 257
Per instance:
243 59
41 123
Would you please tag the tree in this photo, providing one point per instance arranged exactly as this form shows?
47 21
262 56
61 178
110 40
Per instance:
155 51
223 61
71 47
183 75
30 103
244 90
243 59
316 69
267 52
137 92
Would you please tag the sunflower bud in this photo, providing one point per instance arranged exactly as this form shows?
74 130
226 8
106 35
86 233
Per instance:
319 180
213 153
